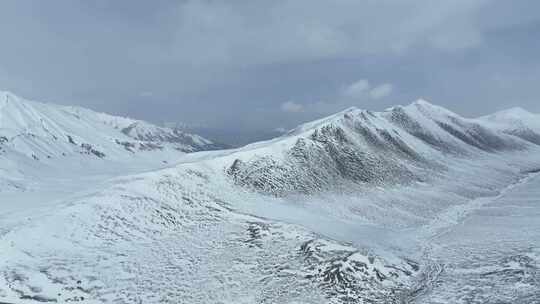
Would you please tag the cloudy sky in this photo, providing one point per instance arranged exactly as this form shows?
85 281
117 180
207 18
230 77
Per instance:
264 65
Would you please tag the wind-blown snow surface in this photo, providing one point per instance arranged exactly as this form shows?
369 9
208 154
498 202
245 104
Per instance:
493 256
347 209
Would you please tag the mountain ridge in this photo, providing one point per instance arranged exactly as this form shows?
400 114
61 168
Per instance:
44 130
360 146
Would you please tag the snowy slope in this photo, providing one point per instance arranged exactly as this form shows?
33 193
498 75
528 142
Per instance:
357 147
516 121
340 210
44 131
37 137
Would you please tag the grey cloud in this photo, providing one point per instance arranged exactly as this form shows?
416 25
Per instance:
257 32
231 64
381 91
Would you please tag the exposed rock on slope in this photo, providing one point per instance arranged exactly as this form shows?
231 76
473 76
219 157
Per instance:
357 148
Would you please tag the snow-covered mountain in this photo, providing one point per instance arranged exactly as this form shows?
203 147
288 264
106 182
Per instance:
340 210
40 138
357 148
42 131
517 122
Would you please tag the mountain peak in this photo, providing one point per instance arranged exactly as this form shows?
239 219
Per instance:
45 131
422 102
7 97
430 109
515 111
351 109
513 118
348 112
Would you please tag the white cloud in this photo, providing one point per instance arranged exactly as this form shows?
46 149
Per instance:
291 107
356 89
381 91
357 93
146 94
362 89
